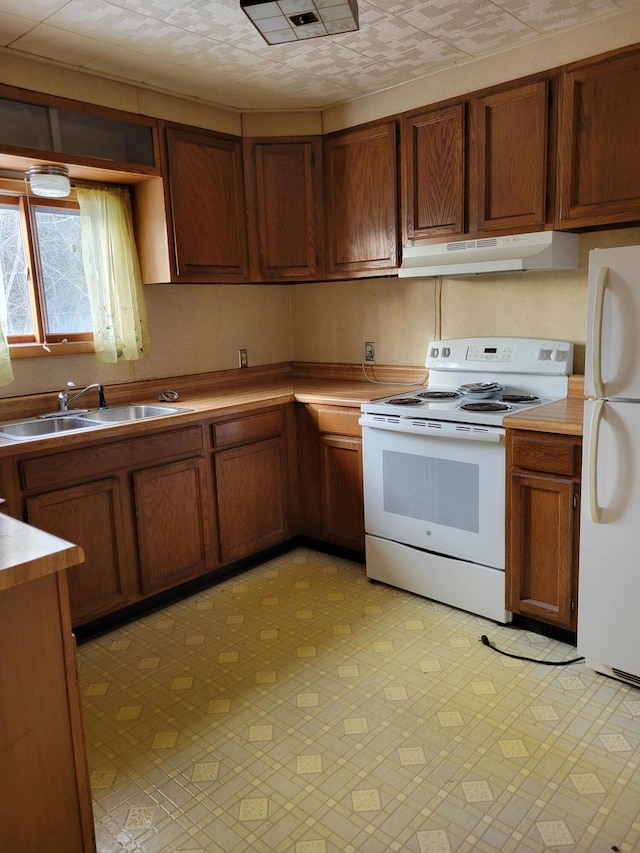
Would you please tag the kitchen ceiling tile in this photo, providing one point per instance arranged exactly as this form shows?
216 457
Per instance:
210 47
61 45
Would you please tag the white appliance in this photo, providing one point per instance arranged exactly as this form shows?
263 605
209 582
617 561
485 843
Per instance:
434 468
609 579
541 250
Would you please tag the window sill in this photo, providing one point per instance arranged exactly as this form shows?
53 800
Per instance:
46 350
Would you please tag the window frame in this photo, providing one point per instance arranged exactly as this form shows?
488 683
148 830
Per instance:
41 342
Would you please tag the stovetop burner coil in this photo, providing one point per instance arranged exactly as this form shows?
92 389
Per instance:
485 407
520 398
404 401
439 395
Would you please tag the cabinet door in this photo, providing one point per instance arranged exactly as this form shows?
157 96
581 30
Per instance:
599 129
509 153
206 206
542 565
44 783
361 202
342 498
433 166
251 487
90 516
284 200
173 537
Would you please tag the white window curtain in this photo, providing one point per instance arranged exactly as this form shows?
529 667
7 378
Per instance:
6 371
112 270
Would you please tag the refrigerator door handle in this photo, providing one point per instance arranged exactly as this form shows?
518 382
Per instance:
596 333
594 437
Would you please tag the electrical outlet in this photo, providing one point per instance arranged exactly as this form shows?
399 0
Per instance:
369 351
242 358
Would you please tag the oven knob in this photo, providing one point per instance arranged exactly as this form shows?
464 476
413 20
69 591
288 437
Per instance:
446 352
559 355
543 354
435 352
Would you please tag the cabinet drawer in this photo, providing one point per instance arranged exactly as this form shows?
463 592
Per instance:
90 462
561 456
247 430
339 421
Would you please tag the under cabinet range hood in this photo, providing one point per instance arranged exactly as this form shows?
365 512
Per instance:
542 250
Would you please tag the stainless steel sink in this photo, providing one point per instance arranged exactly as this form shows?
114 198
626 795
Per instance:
45 427
134 412
42 428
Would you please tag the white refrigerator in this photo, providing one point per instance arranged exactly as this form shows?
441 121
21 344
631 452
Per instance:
609 574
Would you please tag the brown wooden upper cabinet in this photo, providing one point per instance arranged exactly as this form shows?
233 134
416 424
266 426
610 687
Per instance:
284 206
480 167
509 178
361 210
599 129
205 206
433 170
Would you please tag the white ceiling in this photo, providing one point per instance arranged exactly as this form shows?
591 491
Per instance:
209 50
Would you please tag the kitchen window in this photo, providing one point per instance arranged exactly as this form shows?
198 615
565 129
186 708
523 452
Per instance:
42 279
70 276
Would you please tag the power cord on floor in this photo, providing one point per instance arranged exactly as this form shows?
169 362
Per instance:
485 641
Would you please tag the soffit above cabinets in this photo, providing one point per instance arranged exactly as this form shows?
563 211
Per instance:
209 50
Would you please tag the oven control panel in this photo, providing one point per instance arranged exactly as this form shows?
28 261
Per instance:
508 355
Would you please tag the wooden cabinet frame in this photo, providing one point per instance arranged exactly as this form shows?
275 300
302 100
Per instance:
543 526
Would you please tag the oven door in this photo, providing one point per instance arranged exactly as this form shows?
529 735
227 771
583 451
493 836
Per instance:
439 487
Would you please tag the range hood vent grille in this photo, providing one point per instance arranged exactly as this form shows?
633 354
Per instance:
543 250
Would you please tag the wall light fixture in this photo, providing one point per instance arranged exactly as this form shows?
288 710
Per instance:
49 181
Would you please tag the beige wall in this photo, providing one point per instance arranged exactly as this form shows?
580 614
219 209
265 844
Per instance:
197 329
194 329
331 321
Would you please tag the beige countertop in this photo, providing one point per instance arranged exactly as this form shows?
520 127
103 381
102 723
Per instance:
218 403
27 553
205 400
563 416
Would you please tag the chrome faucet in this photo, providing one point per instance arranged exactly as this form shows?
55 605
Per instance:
64 401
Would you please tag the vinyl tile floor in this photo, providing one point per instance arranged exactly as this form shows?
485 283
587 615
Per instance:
298 708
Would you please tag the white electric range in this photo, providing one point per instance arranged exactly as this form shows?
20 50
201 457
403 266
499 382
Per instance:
434 467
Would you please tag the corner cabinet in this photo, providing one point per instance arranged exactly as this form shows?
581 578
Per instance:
205 201
543 526
361 210
599 128
284 208
330 466
252 482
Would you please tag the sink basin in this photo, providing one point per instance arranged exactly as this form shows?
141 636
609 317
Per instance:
42 428
134 412
45 427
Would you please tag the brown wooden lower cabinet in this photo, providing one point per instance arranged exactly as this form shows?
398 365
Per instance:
44 780
251 489
172 523
330 463
143 528
543 512
159 509
91 516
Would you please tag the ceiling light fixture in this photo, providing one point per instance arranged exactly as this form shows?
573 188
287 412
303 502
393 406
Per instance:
49 181
281 21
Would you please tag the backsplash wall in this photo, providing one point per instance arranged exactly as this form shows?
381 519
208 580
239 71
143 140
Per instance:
331 321
199 328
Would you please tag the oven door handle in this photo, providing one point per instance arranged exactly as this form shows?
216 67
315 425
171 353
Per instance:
433 429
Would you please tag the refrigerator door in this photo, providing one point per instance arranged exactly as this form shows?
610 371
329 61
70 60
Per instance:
613 318
609 580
